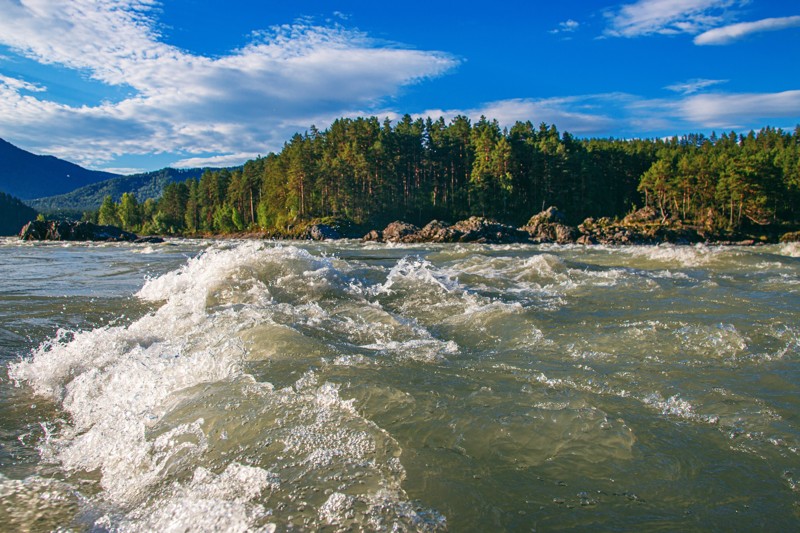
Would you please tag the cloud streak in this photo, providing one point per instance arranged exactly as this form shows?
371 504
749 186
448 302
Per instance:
630 115
668 17
693 86
734 32
736 110
240 103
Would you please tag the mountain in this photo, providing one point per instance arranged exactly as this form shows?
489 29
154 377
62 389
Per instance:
89 197
26 175
13 214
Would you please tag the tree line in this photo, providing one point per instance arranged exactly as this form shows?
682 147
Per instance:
369 172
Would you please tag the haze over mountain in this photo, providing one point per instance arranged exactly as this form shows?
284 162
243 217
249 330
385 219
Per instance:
26 176
89 197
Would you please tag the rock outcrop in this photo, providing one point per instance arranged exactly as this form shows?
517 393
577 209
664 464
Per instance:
550 226
399 231
52 230
322 232
484 230
641 227
474 229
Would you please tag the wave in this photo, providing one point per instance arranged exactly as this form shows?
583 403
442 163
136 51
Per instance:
165 410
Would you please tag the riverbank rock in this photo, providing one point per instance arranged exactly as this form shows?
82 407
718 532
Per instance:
322 232
438 231
550 226
606 231
474 229
149 240
373 236
399 231
484 230
642 227
645 215
793 236
52 230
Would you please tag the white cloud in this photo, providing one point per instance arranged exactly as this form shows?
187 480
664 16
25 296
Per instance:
581 115
693 86
16 85
218 161
568 26
629 115
739 110
124 171
243 102
733 32
669 17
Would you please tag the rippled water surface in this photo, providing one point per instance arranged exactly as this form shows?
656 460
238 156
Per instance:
258 386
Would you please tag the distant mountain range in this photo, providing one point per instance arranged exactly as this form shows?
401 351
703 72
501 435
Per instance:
89 197
52 185
25 175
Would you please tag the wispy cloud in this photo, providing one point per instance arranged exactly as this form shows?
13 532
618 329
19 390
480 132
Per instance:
228 160
739 110
125 171
582 115
625 114
693 86
568 26
734 32
669 17
240 103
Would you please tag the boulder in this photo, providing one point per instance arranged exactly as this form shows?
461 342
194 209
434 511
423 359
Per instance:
484 230
39 230
551 215
399 231
438 231
321 232
645 215
373 235
550 226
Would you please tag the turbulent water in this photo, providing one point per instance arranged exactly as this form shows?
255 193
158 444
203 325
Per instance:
258 386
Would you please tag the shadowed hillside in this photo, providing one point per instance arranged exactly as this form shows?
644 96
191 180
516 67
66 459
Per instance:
89 197
26 175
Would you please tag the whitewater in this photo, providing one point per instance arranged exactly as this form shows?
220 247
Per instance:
201 385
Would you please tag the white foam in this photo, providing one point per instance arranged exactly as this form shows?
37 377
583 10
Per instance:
686 256
790 249
416 270
125 387
675 406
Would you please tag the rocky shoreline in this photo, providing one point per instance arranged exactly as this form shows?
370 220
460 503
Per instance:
59 230
643 227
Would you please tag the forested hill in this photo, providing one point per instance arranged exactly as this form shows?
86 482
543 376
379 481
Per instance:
89 197
13 214
370 172
26 175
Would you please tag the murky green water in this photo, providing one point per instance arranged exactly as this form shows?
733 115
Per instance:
246 386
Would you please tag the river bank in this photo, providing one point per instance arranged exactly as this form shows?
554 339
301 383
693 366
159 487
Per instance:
642 227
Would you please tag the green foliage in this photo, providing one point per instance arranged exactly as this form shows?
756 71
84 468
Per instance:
370 173
128 211
108 214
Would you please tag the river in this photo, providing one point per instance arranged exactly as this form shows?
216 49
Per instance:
278 386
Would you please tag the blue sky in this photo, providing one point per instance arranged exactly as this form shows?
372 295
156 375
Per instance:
134 85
